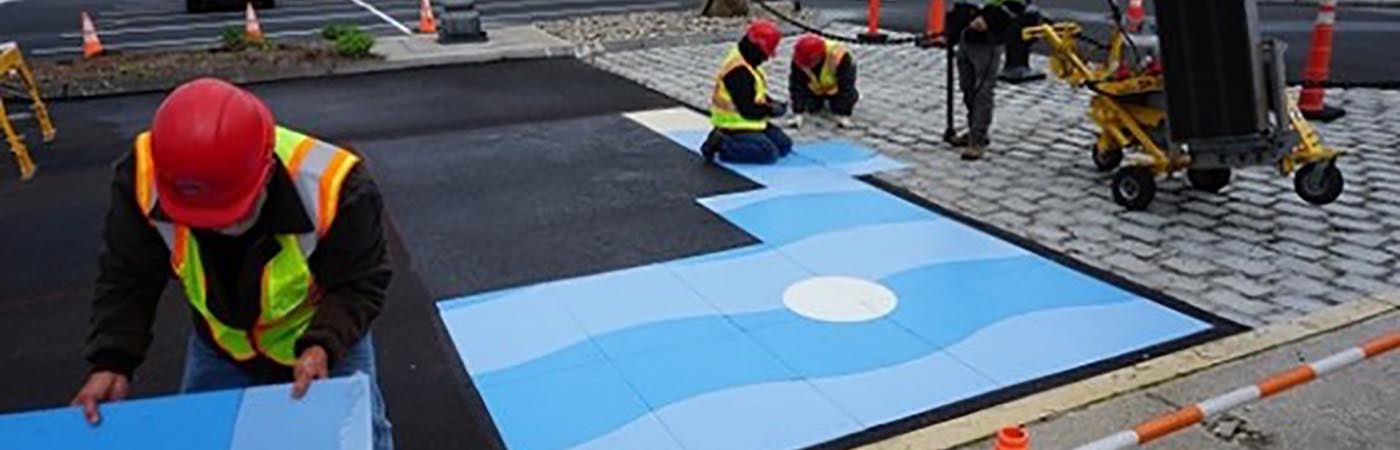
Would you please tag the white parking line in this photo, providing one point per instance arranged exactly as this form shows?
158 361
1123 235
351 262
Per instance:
133 13
381 15
157 18
188 42
499 18
225 24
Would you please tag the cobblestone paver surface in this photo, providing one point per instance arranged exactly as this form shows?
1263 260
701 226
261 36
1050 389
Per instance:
1255 253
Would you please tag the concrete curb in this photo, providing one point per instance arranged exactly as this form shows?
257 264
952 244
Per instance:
1047 404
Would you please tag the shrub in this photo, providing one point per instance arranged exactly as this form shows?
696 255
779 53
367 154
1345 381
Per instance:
336 30
232 38
354 44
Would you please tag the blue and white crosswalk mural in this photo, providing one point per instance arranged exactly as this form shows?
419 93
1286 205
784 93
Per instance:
857 309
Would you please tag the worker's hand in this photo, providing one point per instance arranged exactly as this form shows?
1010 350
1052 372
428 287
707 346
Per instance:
978 24
101 386
311 365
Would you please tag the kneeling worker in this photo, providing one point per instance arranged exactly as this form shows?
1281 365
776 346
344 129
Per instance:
823 77
740 107
275 237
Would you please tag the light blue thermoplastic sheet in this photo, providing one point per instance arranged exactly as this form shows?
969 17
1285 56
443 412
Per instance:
334 415
703 353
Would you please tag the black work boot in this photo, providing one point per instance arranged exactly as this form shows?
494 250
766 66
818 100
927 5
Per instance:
960 140
710 149
973 151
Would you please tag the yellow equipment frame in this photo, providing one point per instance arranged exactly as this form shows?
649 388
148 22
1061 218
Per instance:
1125 125
11 63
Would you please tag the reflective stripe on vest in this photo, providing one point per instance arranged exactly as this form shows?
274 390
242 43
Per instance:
723 114
289 293
825 83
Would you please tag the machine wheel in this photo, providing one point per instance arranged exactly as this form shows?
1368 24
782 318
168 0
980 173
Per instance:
1106 161
1319 183
1134 187
1209 180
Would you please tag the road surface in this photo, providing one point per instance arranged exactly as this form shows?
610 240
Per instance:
52 27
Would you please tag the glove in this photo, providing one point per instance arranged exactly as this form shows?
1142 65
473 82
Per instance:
777 109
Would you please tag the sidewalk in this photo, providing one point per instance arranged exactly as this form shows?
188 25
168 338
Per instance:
513 42
1350 409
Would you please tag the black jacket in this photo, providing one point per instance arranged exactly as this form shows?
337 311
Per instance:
740 84
1000 19
845 78
350 265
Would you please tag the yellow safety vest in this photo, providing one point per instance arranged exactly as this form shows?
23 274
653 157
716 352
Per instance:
824 84
723 114
289 293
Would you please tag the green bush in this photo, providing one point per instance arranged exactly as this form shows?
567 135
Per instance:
336 30
354 44
232 38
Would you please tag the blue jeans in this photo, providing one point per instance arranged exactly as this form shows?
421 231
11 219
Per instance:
754 147
206 370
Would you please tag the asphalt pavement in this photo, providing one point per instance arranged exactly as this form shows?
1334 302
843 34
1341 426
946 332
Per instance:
494 176
52 27
1359 54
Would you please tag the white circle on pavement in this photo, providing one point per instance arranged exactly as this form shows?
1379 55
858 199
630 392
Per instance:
839 299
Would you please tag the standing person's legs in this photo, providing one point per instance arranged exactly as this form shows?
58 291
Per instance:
360 358
747 147
967 78
780 140
987 60
207 370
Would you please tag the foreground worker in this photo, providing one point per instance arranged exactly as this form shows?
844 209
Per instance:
979 58
822 79
276 238
740 106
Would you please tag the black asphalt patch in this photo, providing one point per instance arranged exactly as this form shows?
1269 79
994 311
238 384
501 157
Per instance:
520 204
531 174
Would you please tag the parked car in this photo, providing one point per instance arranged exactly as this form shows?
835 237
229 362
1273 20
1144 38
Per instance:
197 6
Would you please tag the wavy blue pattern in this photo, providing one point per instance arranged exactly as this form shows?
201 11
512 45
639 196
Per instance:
704 344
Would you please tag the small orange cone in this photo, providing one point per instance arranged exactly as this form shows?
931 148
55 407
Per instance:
252 31
92 46
1318 67
1135 15
426 22
1013 438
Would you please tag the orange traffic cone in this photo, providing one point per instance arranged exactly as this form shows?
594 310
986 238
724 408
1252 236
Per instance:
1013 438
934 25
92 46
252 31
1319 64
426 22
1136 15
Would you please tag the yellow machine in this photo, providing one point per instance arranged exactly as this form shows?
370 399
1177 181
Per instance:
1129 108
11 64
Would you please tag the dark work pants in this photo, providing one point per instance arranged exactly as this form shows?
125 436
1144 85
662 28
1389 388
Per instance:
843 103
978 65
754 147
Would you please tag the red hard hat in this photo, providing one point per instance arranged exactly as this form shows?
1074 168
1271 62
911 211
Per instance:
809 50
765 35
211 145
